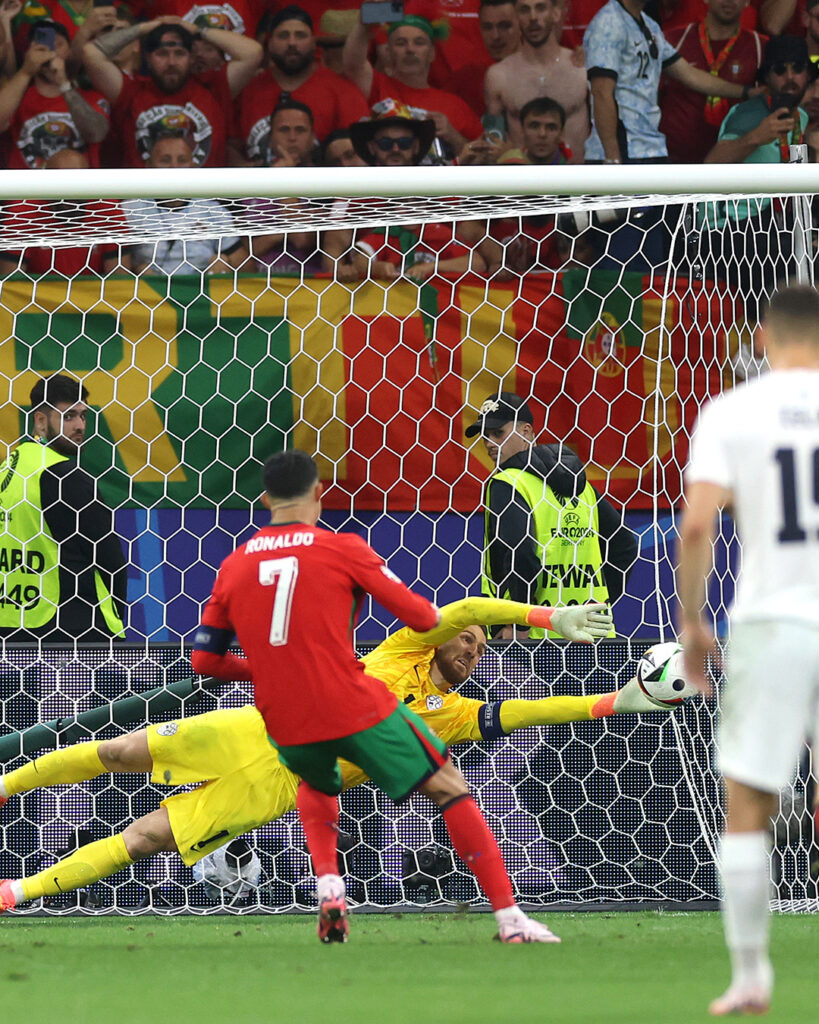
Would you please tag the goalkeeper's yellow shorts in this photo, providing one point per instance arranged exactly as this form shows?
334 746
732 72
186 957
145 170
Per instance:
245 784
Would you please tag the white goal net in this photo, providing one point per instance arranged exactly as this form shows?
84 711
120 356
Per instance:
366 321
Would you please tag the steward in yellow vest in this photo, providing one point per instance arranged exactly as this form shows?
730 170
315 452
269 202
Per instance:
549 537
62 570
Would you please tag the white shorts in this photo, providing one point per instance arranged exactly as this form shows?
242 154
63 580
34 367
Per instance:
770 703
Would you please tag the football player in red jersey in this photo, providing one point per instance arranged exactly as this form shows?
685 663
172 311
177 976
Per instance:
291 596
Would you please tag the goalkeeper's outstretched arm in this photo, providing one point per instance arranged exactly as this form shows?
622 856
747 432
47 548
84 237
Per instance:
585 622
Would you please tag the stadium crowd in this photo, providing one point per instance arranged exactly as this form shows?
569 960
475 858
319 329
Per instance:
248 83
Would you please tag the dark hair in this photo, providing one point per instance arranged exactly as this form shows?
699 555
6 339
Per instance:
796 307
290 13
153 40
59 29
288 104
503 3
57 388
343 133
289 474
543 105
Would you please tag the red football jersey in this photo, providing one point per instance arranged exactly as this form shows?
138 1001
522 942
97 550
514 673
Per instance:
42 125
292 594
202 109
691 135
462 118
335 103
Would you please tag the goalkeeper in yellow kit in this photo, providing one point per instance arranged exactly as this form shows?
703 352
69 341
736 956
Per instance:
243 784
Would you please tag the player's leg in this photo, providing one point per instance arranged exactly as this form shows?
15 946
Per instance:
401 754
477 847
761 734
79 763
146 836
317 804
745 875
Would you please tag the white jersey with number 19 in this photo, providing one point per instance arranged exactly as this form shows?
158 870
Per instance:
761 440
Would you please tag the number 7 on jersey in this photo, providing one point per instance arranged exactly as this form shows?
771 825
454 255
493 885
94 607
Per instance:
282 574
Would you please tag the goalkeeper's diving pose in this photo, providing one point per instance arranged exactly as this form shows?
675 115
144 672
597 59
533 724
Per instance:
243 784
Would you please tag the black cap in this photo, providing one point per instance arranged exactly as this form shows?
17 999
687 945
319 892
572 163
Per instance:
498 410
290 13
783 50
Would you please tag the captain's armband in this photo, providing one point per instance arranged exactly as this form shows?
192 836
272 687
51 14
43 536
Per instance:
489 722
209 638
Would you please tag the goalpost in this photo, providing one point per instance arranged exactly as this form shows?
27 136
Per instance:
616 305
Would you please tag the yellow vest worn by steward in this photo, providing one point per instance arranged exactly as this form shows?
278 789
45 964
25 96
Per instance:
566 537
29 555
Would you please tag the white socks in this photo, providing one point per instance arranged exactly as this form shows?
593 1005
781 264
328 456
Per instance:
3 792
745 911
330 887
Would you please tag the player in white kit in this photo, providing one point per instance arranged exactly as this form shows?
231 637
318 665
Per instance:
756 450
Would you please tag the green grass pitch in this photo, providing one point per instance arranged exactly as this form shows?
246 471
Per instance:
635 968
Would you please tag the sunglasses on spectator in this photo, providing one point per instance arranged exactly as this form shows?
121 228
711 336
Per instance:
649 38
403 142
796 67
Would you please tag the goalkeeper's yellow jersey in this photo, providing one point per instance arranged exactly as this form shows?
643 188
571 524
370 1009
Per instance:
402 662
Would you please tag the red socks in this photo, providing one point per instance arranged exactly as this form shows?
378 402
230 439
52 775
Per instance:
476 846
318 814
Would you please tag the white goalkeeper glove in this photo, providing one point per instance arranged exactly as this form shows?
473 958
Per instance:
587 622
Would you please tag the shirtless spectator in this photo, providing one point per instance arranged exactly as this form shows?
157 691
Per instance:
715 43
293 70
410 52
224 252
44 110
170 96
541 67
500 34
51 218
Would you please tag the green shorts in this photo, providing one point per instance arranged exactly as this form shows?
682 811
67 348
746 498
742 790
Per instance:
399 754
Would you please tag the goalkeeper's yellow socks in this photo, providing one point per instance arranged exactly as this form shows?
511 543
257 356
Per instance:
89 864
73 764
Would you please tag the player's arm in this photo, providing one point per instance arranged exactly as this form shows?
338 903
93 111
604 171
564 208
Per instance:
703 81
592 619
694 561
476 720
210 655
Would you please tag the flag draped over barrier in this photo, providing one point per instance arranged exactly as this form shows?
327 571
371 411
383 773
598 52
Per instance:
194 385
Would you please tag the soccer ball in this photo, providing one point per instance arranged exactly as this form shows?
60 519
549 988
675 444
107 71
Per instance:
233 870
660 675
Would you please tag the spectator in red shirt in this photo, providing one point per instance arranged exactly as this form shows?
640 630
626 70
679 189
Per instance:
410 51
500 33
45 111
811 22
294 73
717 43
171 96
57 218
291 138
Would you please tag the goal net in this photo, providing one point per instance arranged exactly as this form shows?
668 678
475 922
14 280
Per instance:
366 321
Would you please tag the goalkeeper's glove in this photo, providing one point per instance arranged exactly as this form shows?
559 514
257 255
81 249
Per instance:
585 622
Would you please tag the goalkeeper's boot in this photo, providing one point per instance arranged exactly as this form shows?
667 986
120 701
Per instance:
524 929
333 925
7 898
